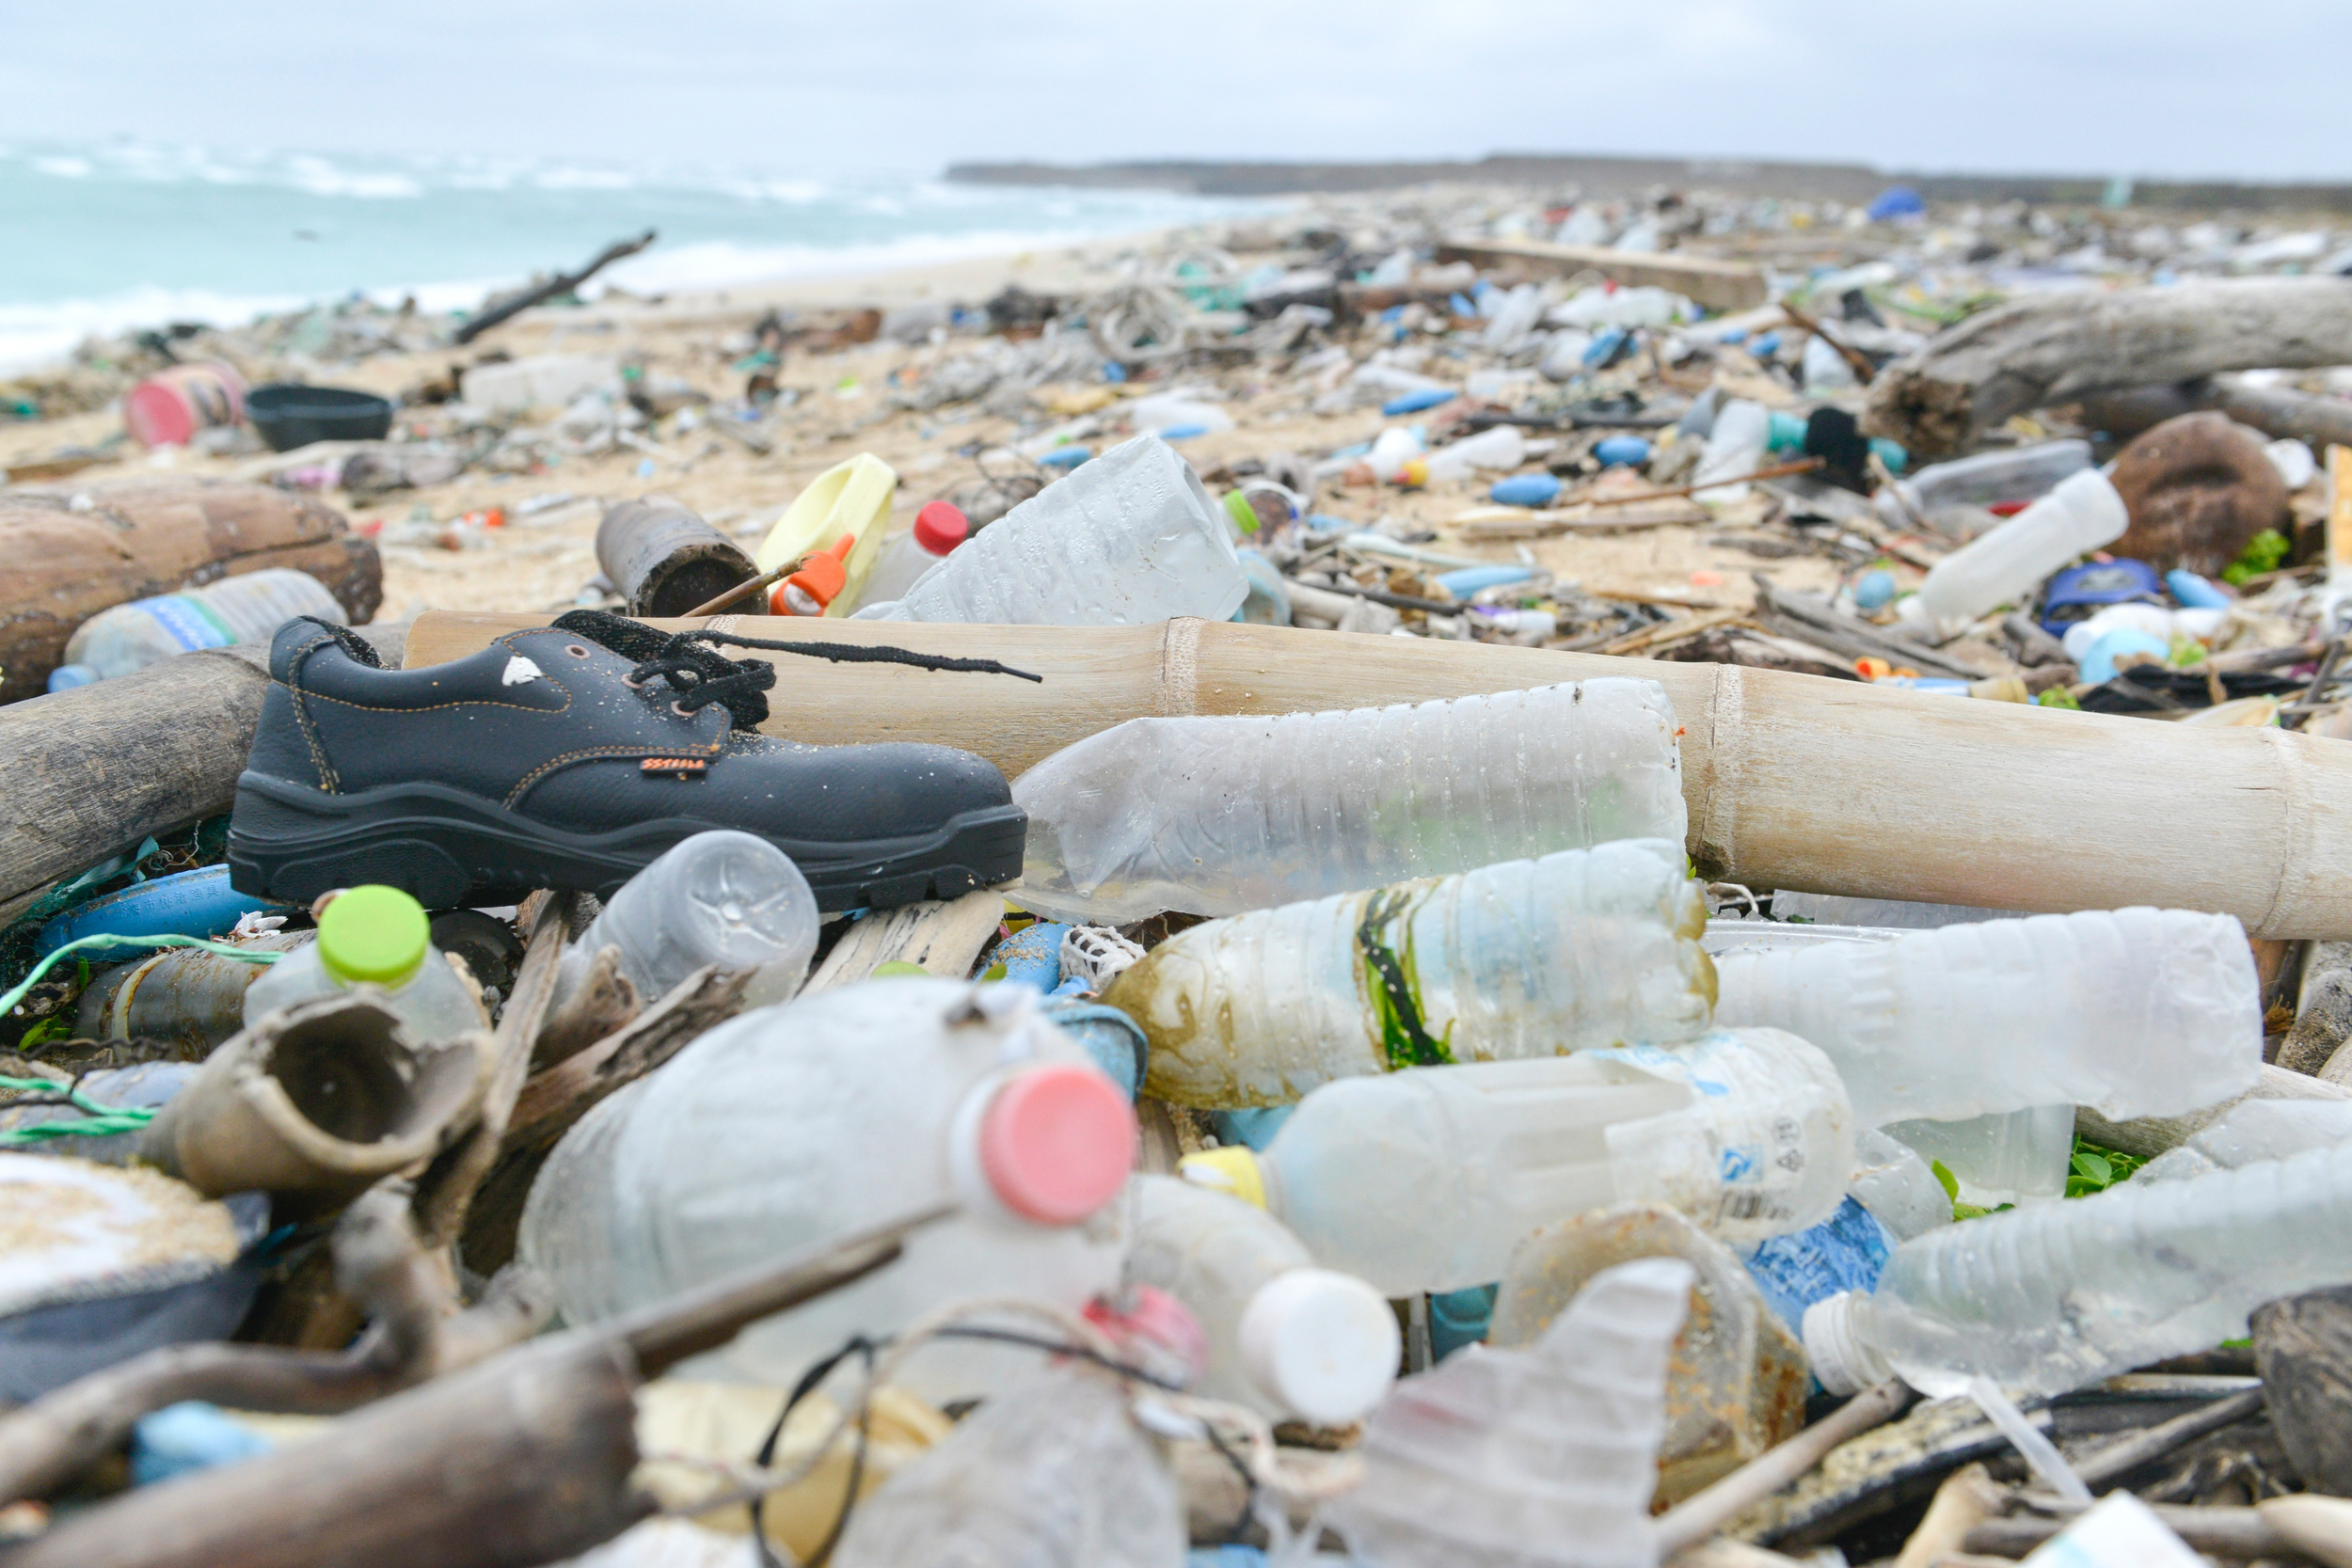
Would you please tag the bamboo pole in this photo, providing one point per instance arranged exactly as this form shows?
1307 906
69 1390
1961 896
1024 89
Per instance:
1793 781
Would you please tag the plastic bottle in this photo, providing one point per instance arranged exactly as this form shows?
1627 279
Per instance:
1215 816
1541 1455
2004 566
720 897
1133 537
1892 1181
1735 448
789 1126
1587 948
2135 1012
1847 1251
2254 1130
1504 447
1392 452
939 528
1289 1339
375 936
1988 478
1999 1159
240 609
2053 1296
1426 1181
852 498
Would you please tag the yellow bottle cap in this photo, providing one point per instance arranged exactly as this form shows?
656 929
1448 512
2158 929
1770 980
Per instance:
1231 1170
374 934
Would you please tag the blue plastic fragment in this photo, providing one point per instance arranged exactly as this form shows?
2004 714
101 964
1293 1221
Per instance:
1764 344
1413 403
65 678
1466 580
1115 1041
1874 590
1066 457
1896 201
1461 305
1890 453
1845 1252
198 903
1525 490
1253 1125
1627 451
2193 592
190 1436
1458 1318
1033 956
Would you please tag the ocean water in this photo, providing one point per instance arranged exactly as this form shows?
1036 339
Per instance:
103 237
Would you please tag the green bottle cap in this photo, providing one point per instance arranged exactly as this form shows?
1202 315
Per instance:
1243 514
374 934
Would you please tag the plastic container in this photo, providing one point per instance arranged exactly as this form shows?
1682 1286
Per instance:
170 407
287 414
789 1127
2005 564
1999 1159
2134 1012
1735 448
1215 816
1291 1340
542 381
939 528
852 499
1534 490
198 903
2054 1296
375 936
721 897
1426 1181
193 998
246 609
1504 447
1392 452
1988 478
1892 1181
1546 1455
1587 948
1130 539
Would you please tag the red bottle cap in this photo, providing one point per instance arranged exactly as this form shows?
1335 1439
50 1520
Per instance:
940 527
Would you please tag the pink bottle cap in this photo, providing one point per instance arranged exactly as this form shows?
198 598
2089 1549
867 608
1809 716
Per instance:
1152 1316
940 527
1057 1143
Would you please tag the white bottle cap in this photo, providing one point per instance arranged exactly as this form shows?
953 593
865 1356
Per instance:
1833 1342
1321 1345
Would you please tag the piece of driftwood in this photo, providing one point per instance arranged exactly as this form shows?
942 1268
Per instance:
1810 618
1791 780
2060 347
2304 1347
66 556
604 1000
1704 1513
2231 1532
664 559
506 306
2319 1527
942 937
2120 1458
2149 1136
1703 279
415 1332
2276 411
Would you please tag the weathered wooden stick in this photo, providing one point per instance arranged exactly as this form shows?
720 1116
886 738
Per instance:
664 559
605 1000
1791 780
562 283
2277 411
2120 1459
941 937
2055 348
1702 1514
2233 1532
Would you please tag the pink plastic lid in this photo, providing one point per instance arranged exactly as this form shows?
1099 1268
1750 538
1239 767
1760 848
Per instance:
1145 1313
1057 1143
940 527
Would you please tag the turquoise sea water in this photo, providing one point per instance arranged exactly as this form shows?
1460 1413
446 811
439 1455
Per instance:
101 237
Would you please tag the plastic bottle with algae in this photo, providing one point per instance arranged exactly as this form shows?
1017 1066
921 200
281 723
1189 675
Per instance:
1584 948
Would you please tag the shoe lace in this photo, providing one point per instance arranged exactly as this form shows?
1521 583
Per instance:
691 665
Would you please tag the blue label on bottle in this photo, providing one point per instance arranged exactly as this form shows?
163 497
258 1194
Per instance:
185 620
1845 1252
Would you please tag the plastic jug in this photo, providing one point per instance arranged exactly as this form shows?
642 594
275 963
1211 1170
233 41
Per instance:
852 498
1586 947
720 897
1215 816
375 936
939 528
246 609
2005 564
1426 1181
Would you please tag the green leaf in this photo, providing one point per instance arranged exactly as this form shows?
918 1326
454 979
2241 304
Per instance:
2095 1167
1943 1174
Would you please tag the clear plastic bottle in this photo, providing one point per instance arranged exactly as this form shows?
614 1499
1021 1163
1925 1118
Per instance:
938 530
1285 1338
375 936
1426 1181
2001 1158
2135 1012
720 897
1215 816
1131 538
1735 448
240 609
1533 1457
2254 1130
2054 1296
1988 478
1586 947
1504 447
1892 1181
2005 564
786 1127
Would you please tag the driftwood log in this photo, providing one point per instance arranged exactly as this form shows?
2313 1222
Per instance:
664 559
1791 780
2276 411
62 563
2060 348
2304 1347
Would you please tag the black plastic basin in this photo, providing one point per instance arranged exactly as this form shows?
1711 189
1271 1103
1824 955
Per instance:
287 415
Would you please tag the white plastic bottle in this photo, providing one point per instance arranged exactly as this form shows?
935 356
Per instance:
1392 450
1290 1340
1426 1181
790 1126
1215 816
2054 1296
245 609
1735 448
2134 1012
1989 478
1128 539
1586 947
375 936
720 897
1504 447
938 530
2004 565
1541 1455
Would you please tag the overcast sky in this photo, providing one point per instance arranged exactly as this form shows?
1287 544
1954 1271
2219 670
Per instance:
2254 88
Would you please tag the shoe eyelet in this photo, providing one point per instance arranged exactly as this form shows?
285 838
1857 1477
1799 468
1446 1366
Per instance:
577 651
632 683
681 710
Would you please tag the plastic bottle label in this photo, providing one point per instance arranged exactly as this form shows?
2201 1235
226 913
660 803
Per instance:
187 622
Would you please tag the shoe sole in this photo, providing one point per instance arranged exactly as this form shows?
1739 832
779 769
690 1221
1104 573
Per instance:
446 848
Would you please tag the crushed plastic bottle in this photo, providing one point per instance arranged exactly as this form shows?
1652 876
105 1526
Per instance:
720 897
1546 1455
244 609
1285 1338
1215 816
1426 1181
789 1126
375 936
2135 1012
1587 948
1129 538
1988 478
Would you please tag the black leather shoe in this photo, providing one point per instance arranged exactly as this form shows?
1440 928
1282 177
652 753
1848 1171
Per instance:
571 756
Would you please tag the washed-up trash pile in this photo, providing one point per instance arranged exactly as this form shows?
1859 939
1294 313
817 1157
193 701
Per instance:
1068 1063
